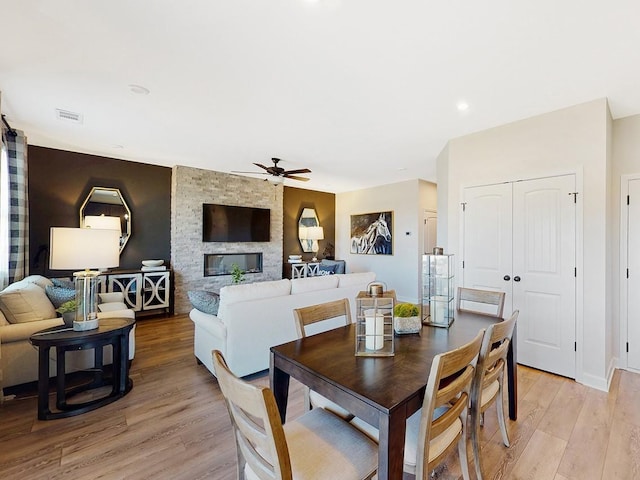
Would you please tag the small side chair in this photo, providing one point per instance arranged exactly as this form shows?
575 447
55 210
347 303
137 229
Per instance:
468 297
312 316
488 382
316 446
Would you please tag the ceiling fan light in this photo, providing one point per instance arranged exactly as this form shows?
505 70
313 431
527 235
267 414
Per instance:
275 181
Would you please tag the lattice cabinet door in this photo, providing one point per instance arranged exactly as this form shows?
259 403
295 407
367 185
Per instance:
130 285
155 290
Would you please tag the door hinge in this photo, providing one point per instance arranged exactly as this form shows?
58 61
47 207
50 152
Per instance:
575 346
464 206
575 272
462 263
627 347
575 196
627 273
627 199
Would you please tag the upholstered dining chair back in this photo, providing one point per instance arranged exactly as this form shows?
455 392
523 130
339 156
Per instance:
476 301
447 395
322 445
313 316
488 382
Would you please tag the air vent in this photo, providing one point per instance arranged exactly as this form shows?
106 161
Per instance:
68 116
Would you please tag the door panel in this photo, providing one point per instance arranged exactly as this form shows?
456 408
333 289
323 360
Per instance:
544 261
487 238
633 282
430 230
525 232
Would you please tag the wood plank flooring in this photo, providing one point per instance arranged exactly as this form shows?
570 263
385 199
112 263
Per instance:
174 425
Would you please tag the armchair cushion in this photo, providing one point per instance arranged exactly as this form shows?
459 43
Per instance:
27 303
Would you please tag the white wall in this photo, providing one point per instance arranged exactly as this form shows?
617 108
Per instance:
407 200
626 161
572 140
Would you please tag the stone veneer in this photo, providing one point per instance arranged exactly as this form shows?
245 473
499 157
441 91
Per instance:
190 188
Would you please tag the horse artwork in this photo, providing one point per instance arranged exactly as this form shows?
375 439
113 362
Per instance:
371 233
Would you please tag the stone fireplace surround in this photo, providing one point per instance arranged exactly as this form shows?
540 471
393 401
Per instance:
190 188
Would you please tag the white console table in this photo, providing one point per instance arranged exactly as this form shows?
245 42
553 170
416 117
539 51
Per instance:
144 291
304 269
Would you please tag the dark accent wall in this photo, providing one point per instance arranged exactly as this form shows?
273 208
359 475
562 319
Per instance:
59 182
296 199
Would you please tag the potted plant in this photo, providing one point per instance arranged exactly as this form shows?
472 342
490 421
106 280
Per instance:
406 318
237 275
68 311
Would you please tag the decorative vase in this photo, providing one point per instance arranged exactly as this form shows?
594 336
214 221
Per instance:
68 318
402 325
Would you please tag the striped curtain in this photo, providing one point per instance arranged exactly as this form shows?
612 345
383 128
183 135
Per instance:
14 209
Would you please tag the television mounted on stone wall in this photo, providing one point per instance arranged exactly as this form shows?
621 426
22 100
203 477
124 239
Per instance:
228 223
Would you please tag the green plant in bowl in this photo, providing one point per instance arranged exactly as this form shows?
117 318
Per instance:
406 318
405 310
237 275
68 306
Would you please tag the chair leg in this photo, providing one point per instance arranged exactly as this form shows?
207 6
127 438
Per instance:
307 399
462 451
501 422
475 441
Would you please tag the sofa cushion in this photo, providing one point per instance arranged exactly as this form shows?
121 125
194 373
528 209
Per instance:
111 297
206 302
59 295
254 291
26 304
38 280
351 279
112 307
311 284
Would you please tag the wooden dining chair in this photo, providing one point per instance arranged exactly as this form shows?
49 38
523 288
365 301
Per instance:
441 424
311 317
487 385
317 445
473 296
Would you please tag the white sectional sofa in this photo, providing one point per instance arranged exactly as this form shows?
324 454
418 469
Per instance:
24 310
254 317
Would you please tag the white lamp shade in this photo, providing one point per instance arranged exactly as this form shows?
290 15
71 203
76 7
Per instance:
83 248
315 233
102 222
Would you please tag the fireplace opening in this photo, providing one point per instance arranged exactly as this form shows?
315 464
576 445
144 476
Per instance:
222 263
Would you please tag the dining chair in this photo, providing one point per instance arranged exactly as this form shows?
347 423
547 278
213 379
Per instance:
441 424
312 316
473 296
487 385
317 445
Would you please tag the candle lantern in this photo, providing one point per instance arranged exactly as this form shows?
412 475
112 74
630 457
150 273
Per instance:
437 289
374 324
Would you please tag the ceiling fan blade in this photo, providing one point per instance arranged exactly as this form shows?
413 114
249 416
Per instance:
253 173
300 170
293 177
262 166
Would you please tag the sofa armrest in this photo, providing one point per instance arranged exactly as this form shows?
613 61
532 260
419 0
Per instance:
17 332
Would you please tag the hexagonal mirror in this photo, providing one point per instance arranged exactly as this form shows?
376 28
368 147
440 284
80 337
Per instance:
105 208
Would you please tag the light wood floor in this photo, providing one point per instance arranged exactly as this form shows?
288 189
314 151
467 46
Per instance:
174 425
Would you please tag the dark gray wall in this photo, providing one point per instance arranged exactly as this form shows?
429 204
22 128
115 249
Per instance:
59 182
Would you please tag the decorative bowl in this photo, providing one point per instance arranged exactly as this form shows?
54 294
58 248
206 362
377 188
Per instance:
152 263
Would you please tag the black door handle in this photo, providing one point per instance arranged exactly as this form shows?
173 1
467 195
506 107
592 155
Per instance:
516 279
506 278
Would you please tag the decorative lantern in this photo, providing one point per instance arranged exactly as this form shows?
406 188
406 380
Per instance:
374 324
437 289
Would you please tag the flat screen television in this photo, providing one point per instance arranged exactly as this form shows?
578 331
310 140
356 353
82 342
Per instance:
226 223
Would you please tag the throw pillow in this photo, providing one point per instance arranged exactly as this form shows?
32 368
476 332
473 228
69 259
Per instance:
327 269
111 297
206 302
26 304
59 295
63 282
112 307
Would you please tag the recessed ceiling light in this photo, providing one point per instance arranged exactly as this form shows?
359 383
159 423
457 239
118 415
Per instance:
462 106
139 89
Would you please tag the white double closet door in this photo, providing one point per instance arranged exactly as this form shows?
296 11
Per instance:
519 237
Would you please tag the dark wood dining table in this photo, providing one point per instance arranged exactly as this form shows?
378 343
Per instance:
383 391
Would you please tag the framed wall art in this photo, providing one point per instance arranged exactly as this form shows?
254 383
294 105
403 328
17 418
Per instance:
372 233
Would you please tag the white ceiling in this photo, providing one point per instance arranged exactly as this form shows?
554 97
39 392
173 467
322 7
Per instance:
362 92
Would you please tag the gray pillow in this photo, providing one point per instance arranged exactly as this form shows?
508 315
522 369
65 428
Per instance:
59 295
63 282
206 302
327 269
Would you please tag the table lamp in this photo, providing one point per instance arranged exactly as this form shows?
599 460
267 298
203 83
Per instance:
314 234
84 248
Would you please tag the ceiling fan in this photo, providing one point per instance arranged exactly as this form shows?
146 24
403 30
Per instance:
280 172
